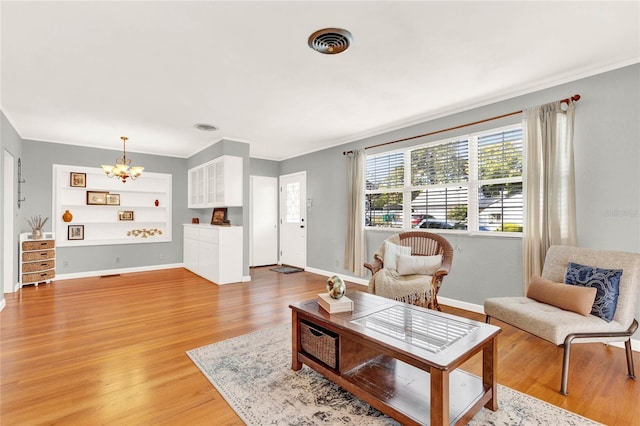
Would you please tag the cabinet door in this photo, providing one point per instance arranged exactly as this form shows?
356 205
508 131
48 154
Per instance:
229 181
191 254
210 173
208 262
196 187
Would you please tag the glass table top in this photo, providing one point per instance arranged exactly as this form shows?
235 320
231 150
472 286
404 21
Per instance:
416 327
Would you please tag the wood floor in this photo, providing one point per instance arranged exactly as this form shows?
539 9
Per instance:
112 351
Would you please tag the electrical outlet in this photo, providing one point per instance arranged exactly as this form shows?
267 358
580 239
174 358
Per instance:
65 264
117 259
162 257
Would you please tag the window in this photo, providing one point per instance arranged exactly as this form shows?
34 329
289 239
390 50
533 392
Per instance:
471 183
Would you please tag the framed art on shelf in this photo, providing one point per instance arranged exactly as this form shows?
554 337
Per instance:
219 216
113 199
75 232
125 215
78 179
96 198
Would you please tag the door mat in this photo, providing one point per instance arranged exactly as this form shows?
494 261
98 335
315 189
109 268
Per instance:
286 269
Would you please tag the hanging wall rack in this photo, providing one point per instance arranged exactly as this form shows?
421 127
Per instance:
20 182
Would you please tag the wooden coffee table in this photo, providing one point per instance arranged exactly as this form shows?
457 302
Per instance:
399 358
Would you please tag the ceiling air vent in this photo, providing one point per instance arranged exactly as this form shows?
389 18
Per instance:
205 127
330 40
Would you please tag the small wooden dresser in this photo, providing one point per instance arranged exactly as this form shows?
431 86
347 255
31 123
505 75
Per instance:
37 259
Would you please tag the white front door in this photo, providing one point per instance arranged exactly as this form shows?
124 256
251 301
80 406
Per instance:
293 219
264 221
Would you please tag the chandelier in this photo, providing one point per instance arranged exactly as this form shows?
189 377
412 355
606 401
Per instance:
123 169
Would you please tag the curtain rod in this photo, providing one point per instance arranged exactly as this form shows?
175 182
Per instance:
573 98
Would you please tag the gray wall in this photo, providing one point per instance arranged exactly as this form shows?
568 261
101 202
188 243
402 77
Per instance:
11 142
607 154
260 167
37 163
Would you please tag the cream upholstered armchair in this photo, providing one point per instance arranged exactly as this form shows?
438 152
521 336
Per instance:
564 314
410 267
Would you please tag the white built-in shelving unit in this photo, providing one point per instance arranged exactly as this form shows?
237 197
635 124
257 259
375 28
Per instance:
101 223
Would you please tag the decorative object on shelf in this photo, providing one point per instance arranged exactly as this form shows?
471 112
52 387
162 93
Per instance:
219 217
67 216
336 287
113 199
123 169
96 198
37 223
195 220
75 232
144 232
125 215
157 203
78 179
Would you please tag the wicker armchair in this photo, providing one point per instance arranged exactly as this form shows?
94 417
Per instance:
422 244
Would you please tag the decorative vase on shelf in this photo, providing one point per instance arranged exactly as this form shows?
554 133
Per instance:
67 216
37 223
157 203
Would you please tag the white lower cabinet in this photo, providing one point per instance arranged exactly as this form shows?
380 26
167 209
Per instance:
214 252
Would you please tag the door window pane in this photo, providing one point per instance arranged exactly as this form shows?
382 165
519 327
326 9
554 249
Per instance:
293 202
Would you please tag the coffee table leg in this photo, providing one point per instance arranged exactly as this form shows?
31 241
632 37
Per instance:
295 342
490 372
439 397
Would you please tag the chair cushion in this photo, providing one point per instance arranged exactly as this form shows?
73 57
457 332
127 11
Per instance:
422 265
558 257
391 253
605 281
564 296
548 322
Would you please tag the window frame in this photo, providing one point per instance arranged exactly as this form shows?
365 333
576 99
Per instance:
473 184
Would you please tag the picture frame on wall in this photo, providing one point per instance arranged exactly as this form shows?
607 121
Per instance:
96 198
75 232
78 179
113 199
125 215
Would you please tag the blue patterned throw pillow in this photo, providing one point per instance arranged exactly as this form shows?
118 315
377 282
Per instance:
606 282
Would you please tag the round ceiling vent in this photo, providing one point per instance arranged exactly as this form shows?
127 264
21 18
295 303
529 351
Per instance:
330 40
205 127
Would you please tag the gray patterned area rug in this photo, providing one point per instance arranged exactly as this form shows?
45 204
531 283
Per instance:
253 373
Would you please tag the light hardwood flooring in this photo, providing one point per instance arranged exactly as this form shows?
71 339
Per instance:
112 351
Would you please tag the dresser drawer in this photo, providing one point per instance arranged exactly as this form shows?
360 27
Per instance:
38 255
38 266
38 276
38 245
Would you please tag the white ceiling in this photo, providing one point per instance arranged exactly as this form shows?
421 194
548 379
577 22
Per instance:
86 73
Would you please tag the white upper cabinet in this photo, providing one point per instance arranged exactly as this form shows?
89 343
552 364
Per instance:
217 183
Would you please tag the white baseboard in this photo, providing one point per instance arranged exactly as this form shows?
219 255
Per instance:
246 278
88 274
3 303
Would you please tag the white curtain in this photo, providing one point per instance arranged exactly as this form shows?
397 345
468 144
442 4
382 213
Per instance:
550 209
354 254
